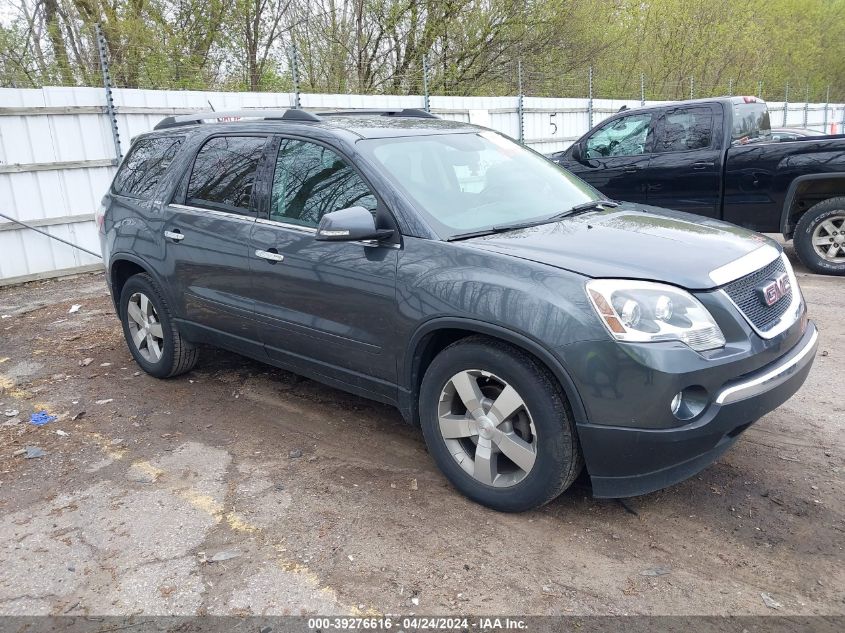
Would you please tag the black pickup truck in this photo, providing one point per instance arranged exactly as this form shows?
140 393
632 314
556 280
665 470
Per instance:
716 157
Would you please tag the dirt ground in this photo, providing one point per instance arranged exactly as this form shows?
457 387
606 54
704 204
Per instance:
187 496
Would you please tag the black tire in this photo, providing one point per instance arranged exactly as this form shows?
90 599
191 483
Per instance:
558 460
803 238
177 354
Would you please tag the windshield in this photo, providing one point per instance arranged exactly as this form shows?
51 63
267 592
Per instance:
471 182
751 123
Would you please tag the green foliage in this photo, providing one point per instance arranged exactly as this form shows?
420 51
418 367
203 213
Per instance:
674 47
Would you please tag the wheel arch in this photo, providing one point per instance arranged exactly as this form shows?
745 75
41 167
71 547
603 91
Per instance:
809 189
434 335
122 266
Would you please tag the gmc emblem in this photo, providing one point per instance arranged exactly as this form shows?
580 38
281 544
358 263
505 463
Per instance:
774 290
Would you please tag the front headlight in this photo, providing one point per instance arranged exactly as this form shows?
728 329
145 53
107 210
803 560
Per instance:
644 312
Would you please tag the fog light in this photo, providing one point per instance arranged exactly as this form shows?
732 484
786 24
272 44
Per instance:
689 403
675 405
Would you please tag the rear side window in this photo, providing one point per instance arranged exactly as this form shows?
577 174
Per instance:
143 168
223 176
751 122
686 129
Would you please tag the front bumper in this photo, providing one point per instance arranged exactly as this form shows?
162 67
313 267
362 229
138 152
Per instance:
625 462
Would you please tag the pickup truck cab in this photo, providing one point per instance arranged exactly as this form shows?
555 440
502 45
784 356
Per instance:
717 158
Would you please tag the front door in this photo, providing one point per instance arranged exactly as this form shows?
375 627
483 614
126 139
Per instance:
684 173
207 231
330 305
615 158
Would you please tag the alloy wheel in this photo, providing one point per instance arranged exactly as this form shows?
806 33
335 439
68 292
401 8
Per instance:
829 239
145 327
487 428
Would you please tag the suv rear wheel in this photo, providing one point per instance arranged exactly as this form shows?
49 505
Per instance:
497 424
820 237
152 336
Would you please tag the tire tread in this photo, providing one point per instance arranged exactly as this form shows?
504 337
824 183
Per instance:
803 246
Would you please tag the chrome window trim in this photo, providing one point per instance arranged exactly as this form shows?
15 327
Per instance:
285 225
745 265
793 312
219 214
769 380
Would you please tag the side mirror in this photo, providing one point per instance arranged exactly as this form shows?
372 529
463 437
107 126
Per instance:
577 153
350 225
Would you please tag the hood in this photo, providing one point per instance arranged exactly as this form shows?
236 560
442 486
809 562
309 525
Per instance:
632 241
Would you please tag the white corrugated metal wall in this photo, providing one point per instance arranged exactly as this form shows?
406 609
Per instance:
57 156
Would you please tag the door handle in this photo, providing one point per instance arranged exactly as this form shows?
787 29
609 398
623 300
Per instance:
271 255
702 165
630 169
175 235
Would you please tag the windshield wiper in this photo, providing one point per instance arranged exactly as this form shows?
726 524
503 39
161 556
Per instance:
503 228
499 228
491 231
591 205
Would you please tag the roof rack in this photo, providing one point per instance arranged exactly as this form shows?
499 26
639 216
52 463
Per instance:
236 115
397 112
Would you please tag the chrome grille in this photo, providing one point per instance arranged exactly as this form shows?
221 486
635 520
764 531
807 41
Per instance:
743 292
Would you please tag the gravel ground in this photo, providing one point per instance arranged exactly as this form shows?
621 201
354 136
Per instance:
241 489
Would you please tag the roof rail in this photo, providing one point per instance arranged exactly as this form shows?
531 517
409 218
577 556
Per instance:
398 112
236 115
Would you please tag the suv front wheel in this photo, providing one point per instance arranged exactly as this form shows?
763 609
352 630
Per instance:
153 338
497 424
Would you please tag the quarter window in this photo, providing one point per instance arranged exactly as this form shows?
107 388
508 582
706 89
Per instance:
625 136
223 176
145 165
311 180
686 129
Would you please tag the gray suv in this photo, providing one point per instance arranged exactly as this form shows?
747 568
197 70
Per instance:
527 325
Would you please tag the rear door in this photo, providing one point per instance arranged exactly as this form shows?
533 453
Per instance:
616 157
685 169
207 230
328 305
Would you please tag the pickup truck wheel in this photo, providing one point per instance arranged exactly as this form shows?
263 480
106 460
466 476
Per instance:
820 237
497 424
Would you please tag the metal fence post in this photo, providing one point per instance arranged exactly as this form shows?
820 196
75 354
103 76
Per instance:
426 104
520 110
826 106
110 111
806 104
691 87
642 89
730 87
294 69
590 99
785 103
760 89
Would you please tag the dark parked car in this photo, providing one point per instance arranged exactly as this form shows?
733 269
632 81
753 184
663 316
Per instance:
793 133
716 158
526 324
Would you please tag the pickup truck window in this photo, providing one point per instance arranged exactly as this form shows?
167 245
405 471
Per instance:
685 129
750 123
625 136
